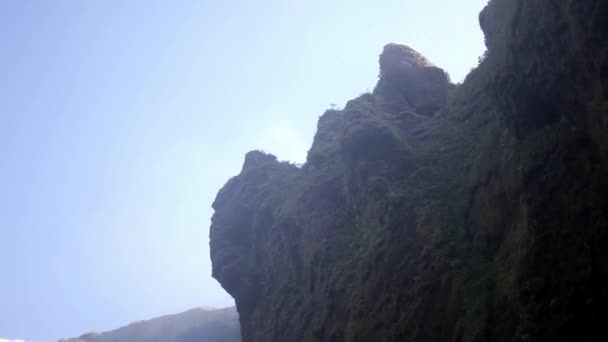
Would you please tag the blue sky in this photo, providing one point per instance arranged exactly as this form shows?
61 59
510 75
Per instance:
120 120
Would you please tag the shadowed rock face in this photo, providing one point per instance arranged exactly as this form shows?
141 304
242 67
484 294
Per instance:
488 222
197 325
410 82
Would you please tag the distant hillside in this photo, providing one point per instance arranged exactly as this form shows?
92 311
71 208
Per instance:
200 325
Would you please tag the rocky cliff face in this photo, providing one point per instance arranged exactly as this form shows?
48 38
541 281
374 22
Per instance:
433 212
197 325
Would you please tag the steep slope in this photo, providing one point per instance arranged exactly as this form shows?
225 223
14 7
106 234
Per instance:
196 325
433 212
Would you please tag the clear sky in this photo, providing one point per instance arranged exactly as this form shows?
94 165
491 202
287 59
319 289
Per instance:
120 120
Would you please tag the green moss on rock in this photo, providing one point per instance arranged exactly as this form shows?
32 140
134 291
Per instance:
430 212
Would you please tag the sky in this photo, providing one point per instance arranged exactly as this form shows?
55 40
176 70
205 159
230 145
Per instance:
120 121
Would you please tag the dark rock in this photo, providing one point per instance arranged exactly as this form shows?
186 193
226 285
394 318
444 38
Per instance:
486 223
409 81
258 158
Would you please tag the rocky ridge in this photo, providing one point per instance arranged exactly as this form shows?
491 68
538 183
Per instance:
428 211
196 325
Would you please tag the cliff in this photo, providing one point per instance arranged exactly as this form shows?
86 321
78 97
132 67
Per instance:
196 325
435 212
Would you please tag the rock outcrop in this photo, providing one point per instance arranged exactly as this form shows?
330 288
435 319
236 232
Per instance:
196 325
410 82
433 212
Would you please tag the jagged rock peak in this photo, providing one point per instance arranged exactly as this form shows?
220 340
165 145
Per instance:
397 56
257 158
485 221
409 82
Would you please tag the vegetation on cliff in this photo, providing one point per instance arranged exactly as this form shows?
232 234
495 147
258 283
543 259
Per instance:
433 212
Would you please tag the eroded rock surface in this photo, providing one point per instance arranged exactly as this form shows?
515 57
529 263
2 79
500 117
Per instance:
488 222
410 82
